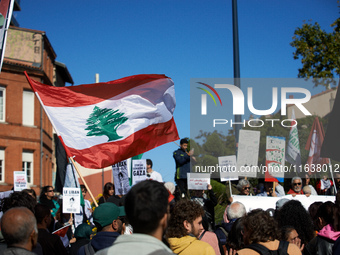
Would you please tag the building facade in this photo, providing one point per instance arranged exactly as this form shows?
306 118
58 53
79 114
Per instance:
26 134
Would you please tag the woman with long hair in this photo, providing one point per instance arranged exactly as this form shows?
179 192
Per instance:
109 190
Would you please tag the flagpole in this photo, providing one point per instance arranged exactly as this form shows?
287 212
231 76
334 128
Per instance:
83 180
330 167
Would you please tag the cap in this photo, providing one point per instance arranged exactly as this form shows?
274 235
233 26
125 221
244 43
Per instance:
105 213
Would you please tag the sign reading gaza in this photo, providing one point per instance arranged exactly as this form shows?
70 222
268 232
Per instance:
238 104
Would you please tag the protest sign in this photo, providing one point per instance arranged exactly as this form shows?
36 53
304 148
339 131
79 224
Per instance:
198 181
71 200
138 171
275 155
120 177
20 180
248 153
228 170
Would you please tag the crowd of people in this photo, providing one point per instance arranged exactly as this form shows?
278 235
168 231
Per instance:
159 218
149 220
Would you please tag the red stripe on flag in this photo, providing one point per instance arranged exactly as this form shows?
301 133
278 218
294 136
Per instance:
82 95
107 154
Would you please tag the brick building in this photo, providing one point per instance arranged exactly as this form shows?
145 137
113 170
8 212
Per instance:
26 134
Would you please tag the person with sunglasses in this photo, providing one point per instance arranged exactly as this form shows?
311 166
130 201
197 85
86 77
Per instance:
46 198
296 188
244 188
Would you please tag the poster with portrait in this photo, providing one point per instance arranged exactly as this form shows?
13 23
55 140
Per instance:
121 177
71 200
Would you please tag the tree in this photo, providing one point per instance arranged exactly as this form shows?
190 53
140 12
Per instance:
319 52
105 122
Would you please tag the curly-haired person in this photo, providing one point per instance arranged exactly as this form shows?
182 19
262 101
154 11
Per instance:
185 225
292 213
262 230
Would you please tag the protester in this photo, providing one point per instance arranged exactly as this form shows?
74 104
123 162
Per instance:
313 209
292 213
85 213
261 233
46 198
323 187
235 211
147 210
307 191
211 238
152 174
268 190
110 223
19 228
208 203
182 159
290 235
185 226
243 187
51 244
235 238
307 183
64 220
31 192
109 190
324 241
337 184
83 235
296 188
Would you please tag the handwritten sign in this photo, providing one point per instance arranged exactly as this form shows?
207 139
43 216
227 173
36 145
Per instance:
20 180
198 181
71 200
275 155
228 168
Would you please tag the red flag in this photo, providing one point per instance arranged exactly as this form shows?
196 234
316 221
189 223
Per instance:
104 123
61 231
314 144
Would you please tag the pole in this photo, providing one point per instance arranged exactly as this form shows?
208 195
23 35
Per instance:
330 167
83 180
237 74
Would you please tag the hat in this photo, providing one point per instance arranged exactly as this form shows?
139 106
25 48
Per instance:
105 213
83 231
281 202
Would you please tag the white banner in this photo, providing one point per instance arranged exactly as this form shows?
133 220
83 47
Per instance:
259 202
248 153
20 180
198 181
228 168
71 200
138 170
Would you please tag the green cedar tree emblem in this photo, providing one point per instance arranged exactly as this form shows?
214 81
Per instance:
105 122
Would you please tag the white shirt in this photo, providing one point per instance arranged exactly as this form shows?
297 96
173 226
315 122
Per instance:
155 176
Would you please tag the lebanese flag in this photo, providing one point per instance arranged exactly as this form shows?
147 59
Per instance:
314 144
101 124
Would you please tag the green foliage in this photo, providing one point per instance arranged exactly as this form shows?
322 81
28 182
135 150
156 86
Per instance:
105 122
319 52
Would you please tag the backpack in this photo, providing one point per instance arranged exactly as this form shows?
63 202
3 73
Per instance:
282 250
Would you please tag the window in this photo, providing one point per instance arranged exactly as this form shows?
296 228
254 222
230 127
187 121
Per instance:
28 108
27 166
2 165
2 103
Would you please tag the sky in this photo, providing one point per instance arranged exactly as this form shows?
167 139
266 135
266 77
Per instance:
182 39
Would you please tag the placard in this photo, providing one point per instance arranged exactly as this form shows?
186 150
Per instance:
20 180
198 181
275 155
121 178
138 170
71 200
228 168
248 153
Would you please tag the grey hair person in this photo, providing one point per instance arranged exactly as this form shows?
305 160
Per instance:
242 183
236 210
296 178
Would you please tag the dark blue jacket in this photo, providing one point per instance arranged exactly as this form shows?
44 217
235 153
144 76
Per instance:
182 160
101 241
